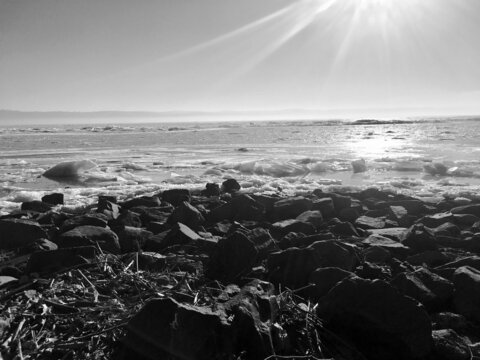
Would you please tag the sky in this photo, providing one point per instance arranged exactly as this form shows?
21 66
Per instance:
240 55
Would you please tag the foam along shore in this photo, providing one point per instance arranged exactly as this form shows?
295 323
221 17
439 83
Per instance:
219 273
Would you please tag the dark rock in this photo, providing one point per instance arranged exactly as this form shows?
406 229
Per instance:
53 199
375 194
56 260
40 245
381 322
81 220
234 256
240 208
292 267
176 196
156 227
146 201
323 280
448 345
467 292
149 214
147 261
17 233
313 217
35 205
428 288
344 228
126 218
432 221
292 225
448 320
392 246
429 258
420 239
325 206
467 209
180 234
446 229
300 240
465 219
165 328
365 222
376 254
414 207
188 215
108 207
373 271
90 235
132 239
290 208
230 186
349 214
211 189
52 218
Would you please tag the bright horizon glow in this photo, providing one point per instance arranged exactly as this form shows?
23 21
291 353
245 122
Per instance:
221 55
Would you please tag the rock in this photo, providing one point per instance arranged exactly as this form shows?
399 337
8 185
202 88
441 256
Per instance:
374 193
313 217
81 220
40 245
5 280
414 207
446 229
147 261
292 225
110 209
325 206
180 234
211 189
17 233
381 322
90 235
473 209
429 258
290 208
392 246
467 292
376 254
127 218
165 328
230 186
359 166
188 215
146 201
373 271
56 260
300 240
397 233
340 202
176 196
324 279
366 222
432 221
420 239
292 267
400 215
448 320
465 219
428 288
349 214
242 207
132 239
448 345
234 256
35 205
344 228
53 199
52 218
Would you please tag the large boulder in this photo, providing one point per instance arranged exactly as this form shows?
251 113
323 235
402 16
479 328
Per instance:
90 235
132 239
322 280
380 321
467 292
176 196
473 209
94 219
448 345
147 201
17 233
55 260
420 238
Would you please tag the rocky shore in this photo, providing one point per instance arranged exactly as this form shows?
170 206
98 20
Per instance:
221 274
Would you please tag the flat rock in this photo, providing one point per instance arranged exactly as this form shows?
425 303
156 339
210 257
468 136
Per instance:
448 345
396 233
467 292
55 260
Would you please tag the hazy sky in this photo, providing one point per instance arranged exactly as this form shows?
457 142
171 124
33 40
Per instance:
84 55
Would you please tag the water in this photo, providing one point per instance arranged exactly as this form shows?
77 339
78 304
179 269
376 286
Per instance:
264 156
